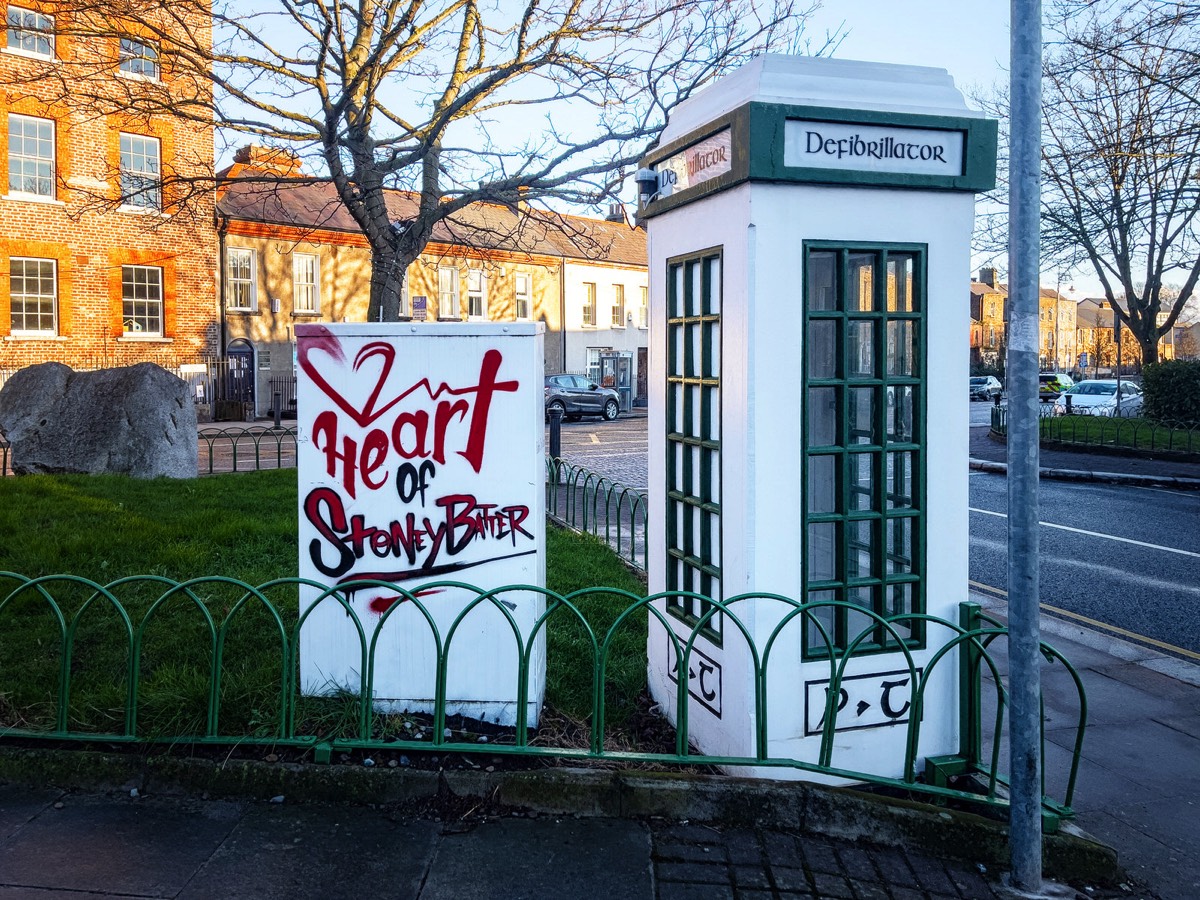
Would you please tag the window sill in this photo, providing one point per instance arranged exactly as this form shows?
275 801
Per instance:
134 76
25 54
34 336
141 211
315 314
144 339
32 198
643 328
243 312
618 327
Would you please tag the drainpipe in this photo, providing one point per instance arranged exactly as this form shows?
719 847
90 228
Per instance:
222 223
562 307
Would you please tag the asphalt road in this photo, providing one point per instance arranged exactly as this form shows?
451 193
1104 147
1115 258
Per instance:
1111 555
1127 557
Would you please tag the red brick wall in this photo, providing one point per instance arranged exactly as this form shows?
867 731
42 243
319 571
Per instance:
84 231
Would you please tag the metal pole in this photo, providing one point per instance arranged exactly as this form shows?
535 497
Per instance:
1023 458
556 417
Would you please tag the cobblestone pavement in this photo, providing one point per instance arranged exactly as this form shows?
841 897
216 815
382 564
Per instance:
615 449
697 861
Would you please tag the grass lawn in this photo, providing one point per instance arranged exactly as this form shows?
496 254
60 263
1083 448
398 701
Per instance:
1102 431
241 526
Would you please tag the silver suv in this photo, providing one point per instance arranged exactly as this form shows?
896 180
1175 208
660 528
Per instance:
577 395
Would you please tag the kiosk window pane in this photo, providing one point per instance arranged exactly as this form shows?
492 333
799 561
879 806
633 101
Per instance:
862 481
900 348
822 281
900 480
900 294
822 552
822 484
822 349
901 409
862 418
863 514
693 434
862 349
860 286
822 417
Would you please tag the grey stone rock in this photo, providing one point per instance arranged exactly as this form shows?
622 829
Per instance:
139 420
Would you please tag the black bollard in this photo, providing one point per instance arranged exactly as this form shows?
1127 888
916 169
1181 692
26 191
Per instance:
556 417
278 407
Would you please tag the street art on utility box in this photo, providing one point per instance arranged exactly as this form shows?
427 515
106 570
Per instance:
420 454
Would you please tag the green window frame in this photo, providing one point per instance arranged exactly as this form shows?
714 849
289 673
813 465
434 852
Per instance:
864 441
693 423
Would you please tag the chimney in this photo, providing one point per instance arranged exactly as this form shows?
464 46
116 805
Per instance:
616 213
274 160
988 276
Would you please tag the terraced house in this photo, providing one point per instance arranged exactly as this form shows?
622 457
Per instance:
293 254
102 263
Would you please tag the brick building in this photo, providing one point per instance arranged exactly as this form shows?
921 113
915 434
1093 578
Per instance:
107 251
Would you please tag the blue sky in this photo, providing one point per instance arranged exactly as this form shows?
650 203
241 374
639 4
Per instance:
969 38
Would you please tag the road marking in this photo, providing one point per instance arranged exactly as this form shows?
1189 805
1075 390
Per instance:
1110 537
592 435
1095 623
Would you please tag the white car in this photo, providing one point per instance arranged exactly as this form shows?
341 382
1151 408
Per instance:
1098 397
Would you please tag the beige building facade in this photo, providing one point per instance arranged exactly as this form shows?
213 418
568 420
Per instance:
291 255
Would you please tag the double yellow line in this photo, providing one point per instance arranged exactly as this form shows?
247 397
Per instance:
1093 623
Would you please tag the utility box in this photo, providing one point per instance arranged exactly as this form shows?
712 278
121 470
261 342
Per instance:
421 457
809 246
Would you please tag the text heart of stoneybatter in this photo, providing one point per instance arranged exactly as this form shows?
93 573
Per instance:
387 453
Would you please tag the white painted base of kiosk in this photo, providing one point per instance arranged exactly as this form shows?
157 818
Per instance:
871 733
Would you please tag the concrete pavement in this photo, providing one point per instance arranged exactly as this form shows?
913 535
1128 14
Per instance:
990 455
55 846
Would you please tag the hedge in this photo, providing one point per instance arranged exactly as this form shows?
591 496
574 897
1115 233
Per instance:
1172 392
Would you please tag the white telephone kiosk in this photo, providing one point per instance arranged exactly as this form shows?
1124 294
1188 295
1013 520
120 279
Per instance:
809 229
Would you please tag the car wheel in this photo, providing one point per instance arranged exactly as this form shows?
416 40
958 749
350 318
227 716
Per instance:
610 410
556 404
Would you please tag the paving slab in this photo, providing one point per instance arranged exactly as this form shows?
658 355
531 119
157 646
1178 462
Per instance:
310 851
1160 760
1189 725
523 859
143 847
20 806
1172 874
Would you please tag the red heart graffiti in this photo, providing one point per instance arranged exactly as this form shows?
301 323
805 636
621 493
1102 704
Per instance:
318 337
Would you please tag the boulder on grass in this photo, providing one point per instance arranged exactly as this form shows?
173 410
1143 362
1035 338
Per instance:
139 421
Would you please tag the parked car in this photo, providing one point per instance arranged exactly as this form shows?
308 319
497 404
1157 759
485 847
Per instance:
1051 384
985 387
1098 397
578 395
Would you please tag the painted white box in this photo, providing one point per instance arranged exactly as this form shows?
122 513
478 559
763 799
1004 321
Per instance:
733 254
421 462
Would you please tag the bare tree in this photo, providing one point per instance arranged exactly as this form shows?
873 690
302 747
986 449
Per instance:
456 101
1121 153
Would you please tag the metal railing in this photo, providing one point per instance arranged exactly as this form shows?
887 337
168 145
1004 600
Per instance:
248 449
587 501
219 610
1096 431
